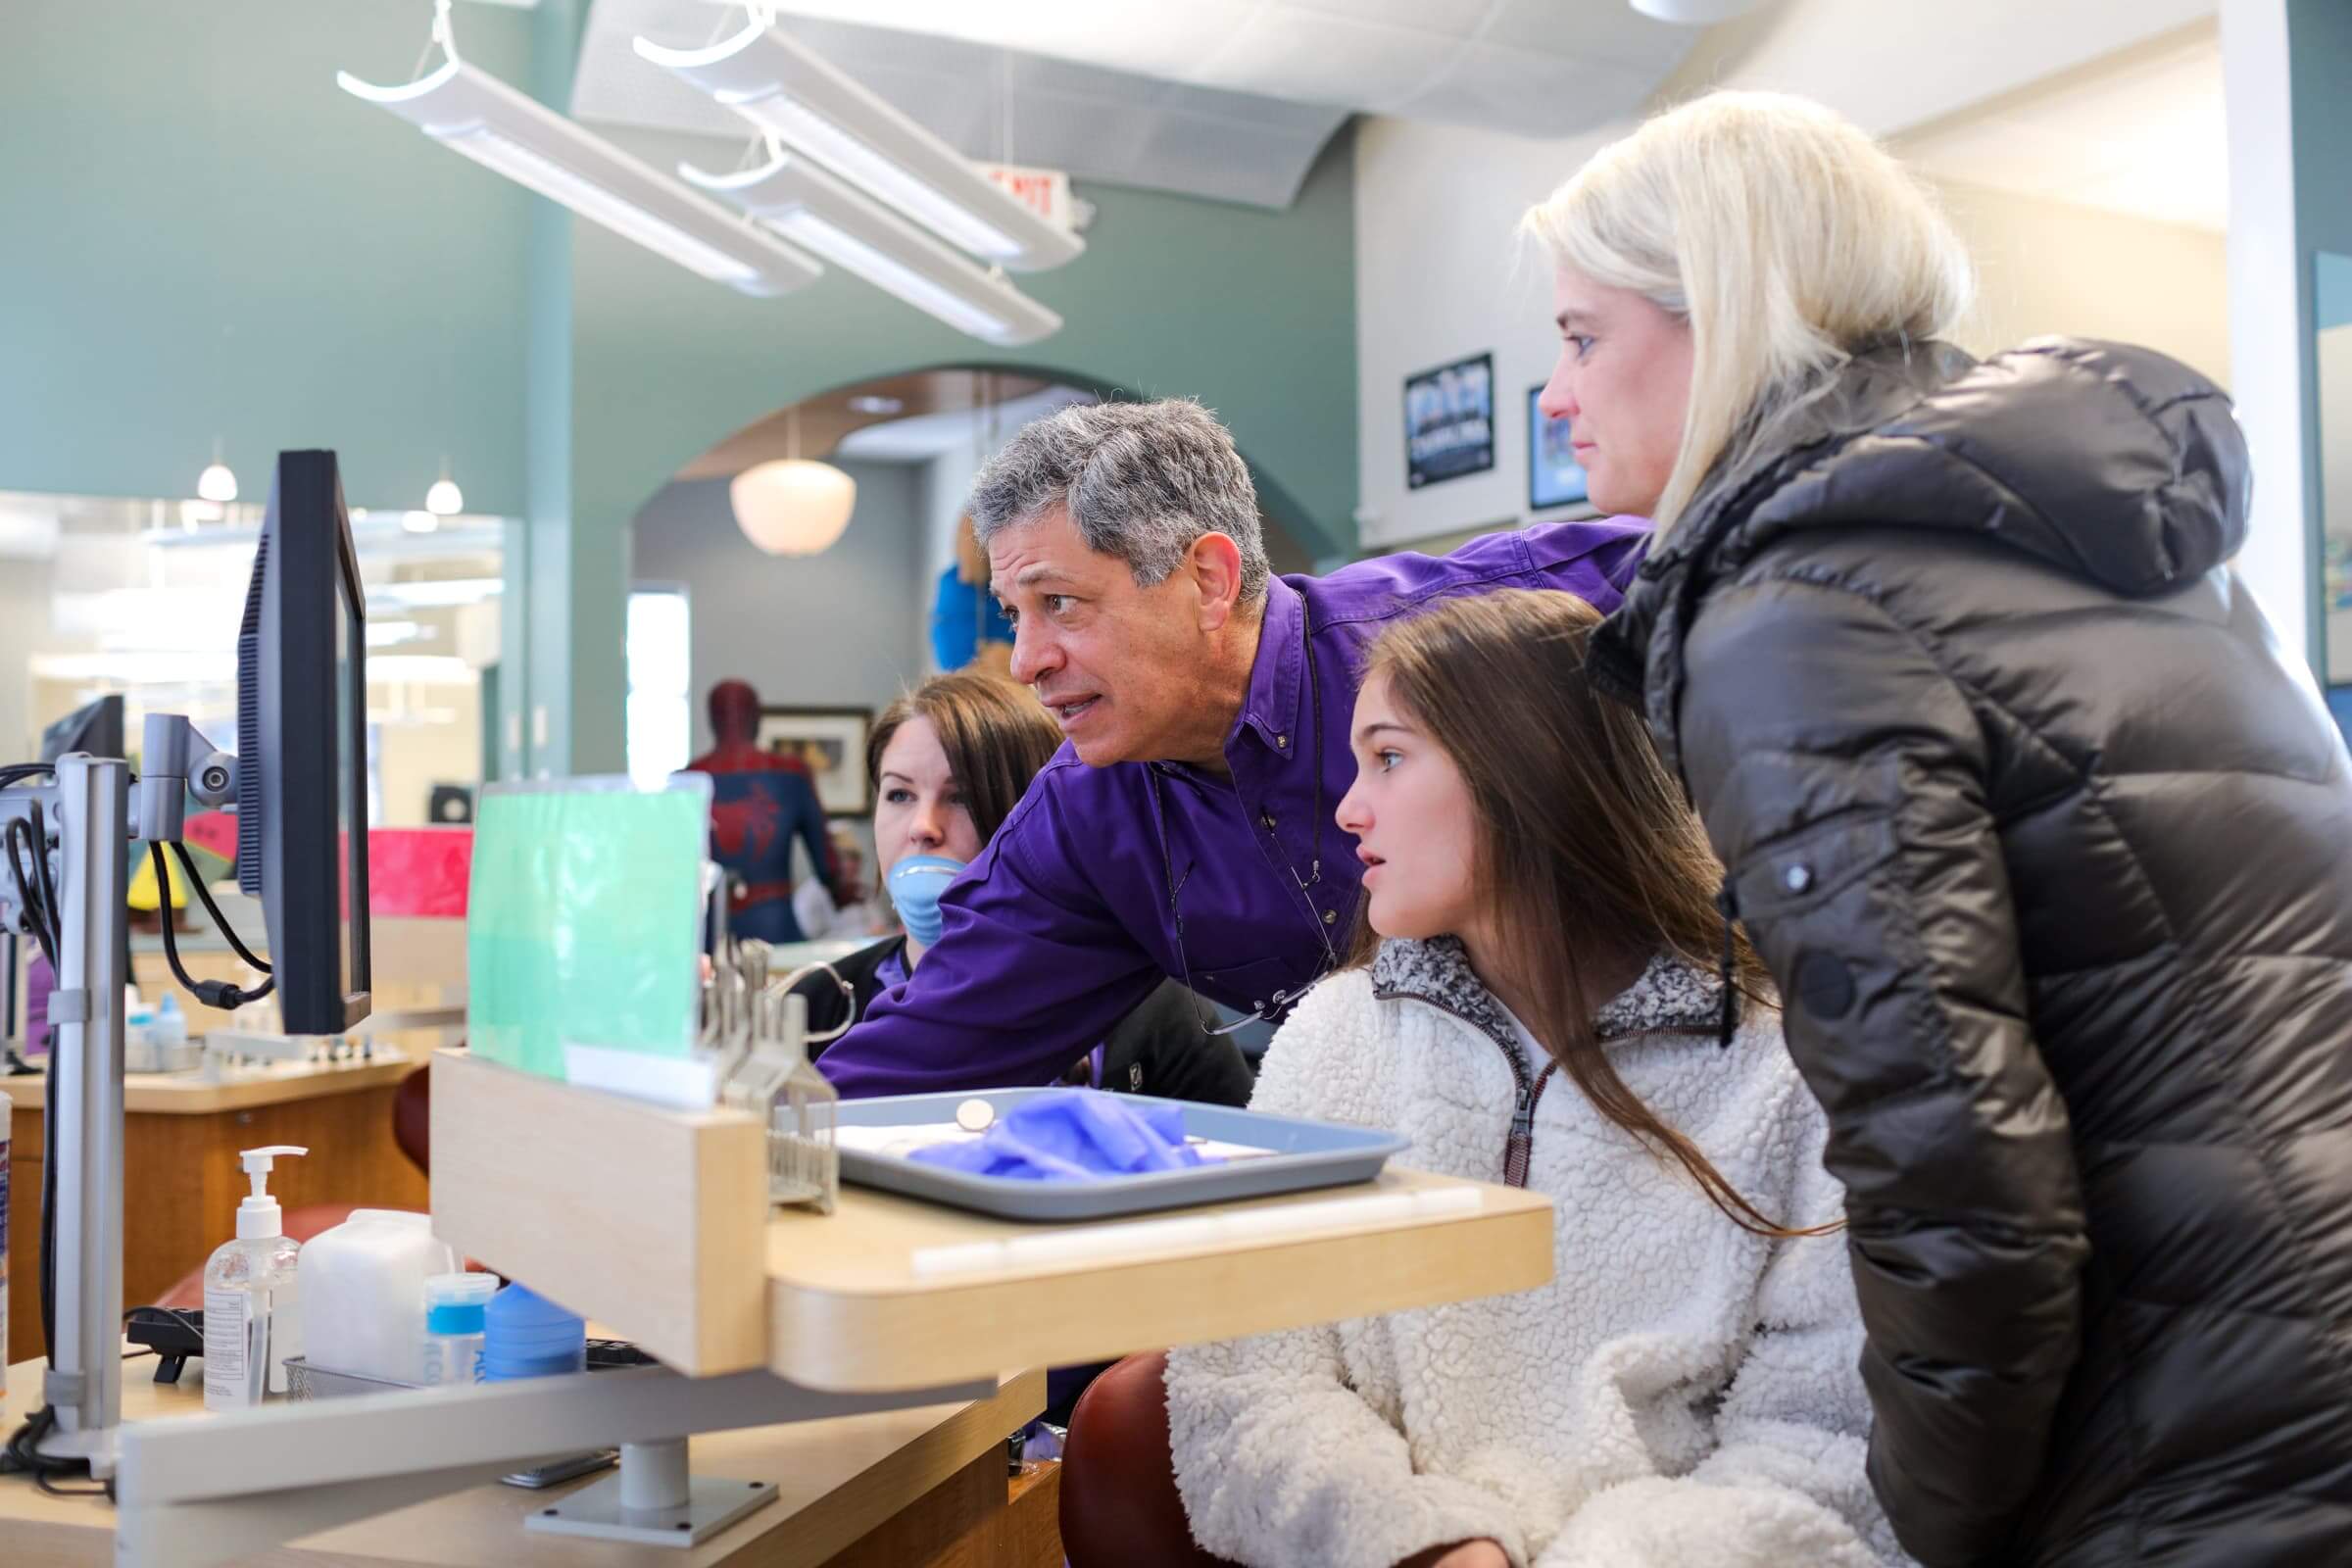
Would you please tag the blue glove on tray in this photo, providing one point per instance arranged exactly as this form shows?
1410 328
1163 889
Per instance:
1073 1135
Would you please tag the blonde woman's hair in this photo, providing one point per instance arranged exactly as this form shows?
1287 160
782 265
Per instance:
1787 238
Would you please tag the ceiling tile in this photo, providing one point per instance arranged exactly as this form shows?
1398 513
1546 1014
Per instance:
1536 96
1607 31
1280 73
1321 57
1449 18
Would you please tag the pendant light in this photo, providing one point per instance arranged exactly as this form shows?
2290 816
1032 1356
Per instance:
215 484
445 499
792 506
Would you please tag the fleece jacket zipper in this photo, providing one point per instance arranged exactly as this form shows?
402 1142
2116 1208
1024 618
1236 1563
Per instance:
1520 1147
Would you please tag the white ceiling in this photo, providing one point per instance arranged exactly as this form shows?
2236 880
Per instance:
923 436
1230 99
1536 68
2143 135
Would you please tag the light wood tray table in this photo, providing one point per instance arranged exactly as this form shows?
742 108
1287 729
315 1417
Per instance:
853 1490
655 1222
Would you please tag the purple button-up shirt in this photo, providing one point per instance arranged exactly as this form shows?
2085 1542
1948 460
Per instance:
1072 913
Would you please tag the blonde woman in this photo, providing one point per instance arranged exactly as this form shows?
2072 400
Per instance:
2039 831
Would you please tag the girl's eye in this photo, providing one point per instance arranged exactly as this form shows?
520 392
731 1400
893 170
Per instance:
1387 758
1580 343
895 796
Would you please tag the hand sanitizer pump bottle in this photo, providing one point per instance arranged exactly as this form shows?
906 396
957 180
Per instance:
252 1316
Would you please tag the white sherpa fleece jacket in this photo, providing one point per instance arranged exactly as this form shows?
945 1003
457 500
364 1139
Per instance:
1683 1395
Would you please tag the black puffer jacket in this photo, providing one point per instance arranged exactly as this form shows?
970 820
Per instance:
2051 857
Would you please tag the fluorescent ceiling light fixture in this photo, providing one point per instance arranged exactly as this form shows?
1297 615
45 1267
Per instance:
780 86
431 593
804 203
472 111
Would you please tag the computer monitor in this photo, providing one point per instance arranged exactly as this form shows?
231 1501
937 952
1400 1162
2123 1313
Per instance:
94 727
302 748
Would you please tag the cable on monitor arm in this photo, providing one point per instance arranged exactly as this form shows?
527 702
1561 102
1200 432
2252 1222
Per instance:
222 994
187 863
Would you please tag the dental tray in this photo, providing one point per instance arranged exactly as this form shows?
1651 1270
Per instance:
1285 1154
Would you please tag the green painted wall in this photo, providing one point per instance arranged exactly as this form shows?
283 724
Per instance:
206 237
202 236
1251 311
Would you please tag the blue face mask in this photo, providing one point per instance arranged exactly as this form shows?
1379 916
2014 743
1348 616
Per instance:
915 884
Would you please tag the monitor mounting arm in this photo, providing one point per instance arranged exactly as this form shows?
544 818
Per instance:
88 824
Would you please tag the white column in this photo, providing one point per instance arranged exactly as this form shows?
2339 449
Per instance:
2267 332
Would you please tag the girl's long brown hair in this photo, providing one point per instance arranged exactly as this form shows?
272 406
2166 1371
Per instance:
1583 842
996 735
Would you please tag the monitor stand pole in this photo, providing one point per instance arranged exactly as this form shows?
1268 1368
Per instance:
84 1380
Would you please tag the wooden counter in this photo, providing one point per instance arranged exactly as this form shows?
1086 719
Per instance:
181 1181
896 1490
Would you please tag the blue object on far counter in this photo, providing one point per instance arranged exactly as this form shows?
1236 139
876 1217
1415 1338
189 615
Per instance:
1074 1135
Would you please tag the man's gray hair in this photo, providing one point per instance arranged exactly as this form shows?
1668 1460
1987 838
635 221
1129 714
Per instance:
1142 481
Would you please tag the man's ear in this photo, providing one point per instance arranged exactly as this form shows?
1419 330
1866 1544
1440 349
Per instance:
1216 567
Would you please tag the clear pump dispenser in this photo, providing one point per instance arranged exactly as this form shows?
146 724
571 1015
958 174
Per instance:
252 1314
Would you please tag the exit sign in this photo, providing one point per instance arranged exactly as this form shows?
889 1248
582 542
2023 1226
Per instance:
1044 191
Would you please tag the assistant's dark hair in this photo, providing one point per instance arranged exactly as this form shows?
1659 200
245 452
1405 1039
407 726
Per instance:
996 735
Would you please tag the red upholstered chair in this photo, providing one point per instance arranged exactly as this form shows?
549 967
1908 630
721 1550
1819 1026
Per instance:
412 1118
1119 1504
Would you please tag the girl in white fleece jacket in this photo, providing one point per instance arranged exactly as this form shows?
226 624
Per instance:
1685 1393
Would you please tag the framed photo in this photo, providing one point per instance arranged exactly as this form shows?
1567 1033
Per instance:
830 742
1450 422
1555 478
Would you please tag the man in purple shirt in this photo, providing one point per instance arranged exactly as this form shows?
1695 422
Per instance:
1185 827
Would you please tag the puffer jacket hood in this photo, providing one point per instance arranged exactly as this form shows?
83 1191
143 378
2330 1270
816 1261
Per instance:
2043 838
2110 462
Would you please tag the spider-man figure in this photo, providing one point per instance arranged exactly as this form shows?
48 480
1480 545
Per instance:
760 804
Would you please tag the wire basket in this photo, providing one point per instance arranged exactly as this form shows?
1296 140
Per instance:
306 1382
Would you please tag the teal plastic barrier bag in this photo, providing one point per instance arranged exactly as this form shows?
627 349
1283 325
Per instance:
584 921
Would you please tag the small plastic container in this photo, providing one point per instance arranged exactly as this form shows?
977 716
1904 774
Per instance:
527 1336
454 1324
170 1030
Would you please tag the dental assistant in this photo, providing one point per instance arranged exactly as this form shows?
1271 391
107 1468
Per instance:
1184 829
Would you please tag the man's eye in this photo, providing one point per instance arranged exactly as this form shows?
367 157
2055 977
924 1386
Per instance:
1055 603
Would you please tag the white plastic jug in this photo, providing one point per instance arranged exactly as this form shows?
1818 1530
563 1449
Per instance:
362 1292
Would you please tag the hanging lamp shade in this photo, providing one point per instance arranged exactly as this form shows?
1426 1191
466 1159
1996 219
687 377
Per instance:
792 506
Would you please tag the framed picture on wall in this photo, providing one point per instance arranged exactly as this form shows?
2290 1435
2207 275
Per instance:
1450 422
830 742
1555 478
